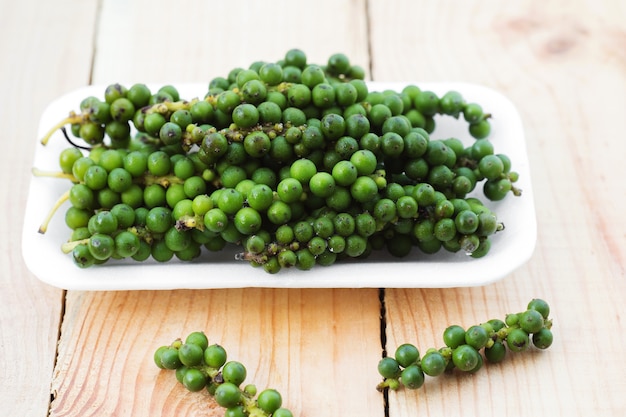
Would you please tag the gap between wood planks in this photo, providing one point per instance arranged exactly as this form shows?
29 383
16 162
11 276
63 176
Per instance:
382 335
368 27
94 40
56 350
383 342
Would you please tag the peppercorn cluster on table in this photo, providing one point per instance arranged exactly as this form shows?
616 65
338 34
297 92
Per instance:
361 208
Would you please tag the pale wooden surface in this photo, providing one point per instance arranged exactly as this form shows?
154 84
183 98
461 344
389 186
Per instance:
563 64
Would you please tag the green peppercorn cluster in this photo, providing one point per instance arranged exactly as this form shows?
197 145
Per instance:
463 347
299 164
202 366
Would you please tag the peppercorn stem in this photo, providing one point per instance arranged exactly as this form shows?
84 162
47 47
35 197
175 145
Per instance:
170 107
251 257
390 383
53 174
44 226
164 180
71 119
68 247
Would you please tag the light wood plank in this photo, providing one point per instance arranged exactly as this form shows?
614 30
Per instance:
306 343
152 42
564 70
37 46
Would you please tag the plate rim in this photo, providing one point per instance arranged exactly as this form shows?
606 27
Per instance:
289 278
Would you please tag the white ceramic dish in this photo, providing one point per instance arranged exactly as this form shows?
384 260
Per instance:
511 248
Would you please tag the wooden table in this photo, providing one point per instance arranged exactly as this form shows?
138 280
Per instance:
563 64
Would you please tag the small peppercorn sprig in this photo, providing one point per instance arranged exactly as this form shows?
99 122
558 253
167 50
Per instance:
199 365
463 347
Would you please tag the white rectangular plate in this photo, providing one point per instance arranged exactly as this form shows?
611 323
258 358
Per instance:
510 249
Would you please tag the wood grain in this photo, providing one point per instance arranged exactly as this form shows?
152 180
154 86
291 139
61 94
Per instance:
152 42
562 64
304 343
36 45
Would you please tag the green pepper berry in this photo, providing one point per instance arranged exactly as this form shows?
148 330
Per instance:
433 363
269 400
531 321
215 356
406 354
541 306
543 338
465 357
389 367
496 352
190 354
194 380
227 395
234 372
476 337
517 340
170 358
454 336
412 377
